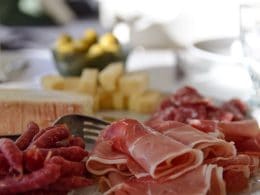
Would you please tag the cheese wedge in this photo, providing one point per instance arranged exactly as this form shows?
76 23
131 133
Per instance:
18 107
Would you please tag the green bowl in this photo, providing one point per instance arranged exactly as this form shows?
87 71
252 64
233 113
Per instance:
73 64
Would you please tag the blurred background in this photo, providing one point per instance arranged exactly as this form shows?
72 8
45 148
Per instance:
185 41
167 22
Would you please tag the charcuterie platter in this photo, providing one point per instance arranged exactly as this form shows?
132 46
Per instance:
189 145
179 143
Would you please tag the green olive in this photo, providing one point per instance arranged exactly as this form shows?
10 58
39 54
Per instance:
113 48
95 50
81 46
108 39
90 36
62 39
66 48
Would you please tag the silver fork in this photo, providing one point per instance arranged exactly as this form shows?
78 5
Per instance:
85 126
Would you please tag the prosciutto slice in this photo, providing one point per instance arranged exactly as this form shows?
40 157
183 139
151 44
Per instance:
159 155
237 170
104 159
210 145
209 180
245 134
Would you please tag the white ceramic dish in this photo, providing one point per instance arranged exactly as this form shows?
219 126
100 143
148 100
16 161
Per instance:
204 55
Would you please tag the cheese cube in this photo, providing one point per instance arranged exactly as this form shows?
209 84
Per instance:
109 76
71 84
119 101
144 103
105 99
54 82
134 83
88 81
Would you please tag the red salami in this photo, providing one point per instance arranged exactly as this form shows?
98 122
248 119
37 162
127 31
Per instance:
72 153
68 183
33 159
49 161
49 138
77 141
42 177
4 166
25 139
69 168
12 154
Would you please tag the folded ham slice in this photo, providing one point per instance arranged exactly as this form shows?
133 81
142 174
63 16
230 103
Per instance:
210 145
157 154
237 170
236 162
206 179
104 159
245 134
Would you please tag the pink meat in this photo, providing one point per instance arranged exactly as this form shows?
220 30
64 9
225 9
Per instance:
104 159
245 134
210 145
209 180
158 155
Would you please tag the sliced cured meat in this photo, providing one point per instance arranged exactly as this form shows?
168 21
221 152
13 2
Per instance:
211 146
186 104
239 130
209 180
207 126
110 180
237 108
104 159
188 95
158 155
245 134
236 180
237 170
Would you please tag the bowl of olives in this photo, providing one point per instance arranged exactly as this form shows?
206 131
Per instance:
90 51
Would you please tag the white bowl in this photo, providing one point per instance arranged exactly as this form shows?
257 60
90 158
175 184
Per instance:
204 55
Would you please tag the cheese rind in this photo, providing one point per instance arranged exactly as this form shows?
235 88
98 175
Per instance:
19 107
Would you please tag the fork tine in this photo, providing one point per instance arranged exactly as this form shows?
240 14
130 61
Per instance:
85 126
93 126
91 137
92 131
96 120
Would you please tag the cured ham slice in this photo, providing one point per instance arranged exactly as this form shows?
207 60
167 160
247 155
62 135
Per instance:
104 159
237 170
158 155
187 104
211 146
206 179
207 126
245 134
236 162
110 180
